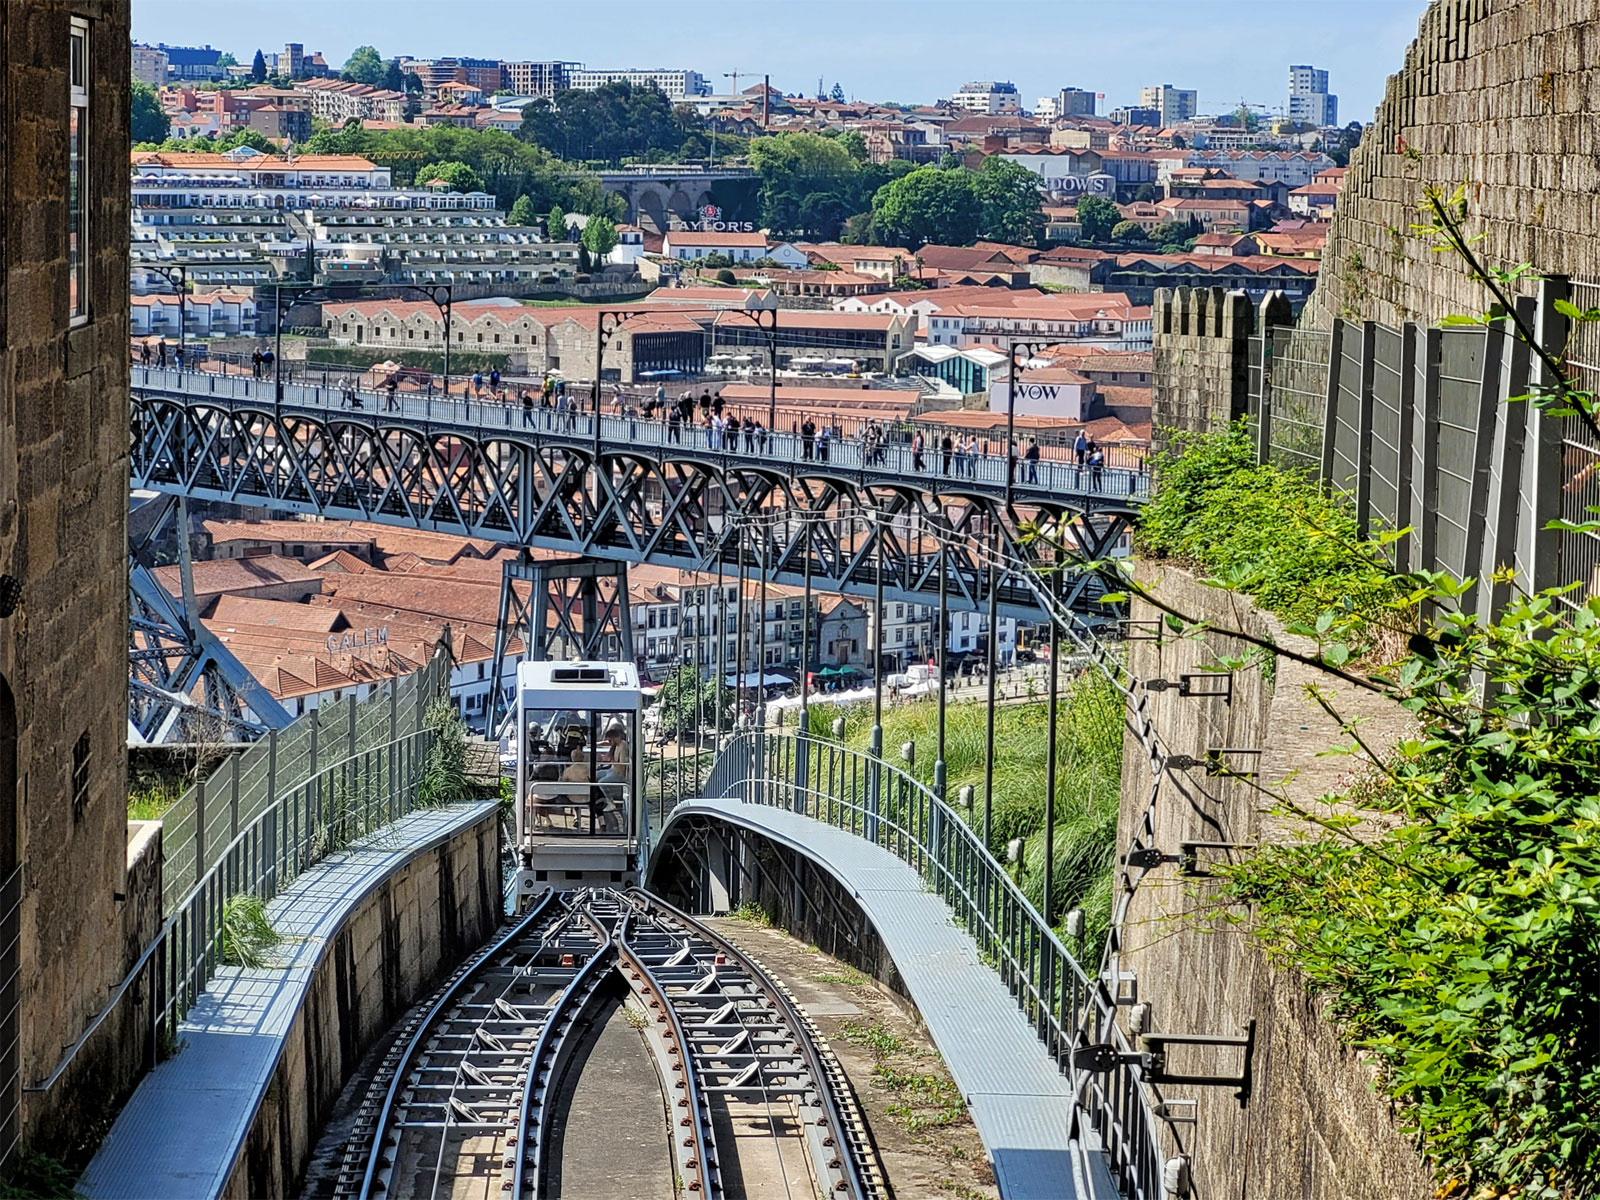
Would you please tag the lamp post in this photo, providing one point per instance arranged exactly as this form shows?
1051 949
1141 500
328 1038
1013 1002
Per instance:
178 276
440 295
761 310
1011 409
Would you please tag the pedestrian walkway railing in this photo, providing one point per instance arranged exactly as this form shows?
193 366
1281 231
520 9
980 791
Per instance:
313 810
860 793
211 813
1123 477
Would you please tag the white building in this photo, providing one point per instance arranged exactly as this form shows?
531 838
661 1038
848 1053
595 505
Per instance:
216 314
629 248
150 65
1309 98
1044 392
989 97
675 84
691 244
1175 105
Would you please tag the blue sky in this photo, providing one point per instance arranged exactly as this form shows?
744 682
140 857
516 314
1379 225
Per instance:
907 50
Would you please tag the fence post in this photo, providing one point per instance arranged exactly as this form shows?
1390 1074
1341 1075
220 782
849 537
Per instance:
233 800
199 830
1489 380
1539 547
315 725
1405 514
350 727
1263 401
1369 337
1330 410
1425 448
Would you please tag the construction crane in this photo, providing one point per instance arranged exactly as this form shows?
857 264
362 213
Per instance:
733 75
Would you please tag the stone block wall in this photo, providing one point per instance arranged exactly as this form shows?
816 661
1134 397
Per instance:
63 508
1503 95
408 932
1314 1128
1201 352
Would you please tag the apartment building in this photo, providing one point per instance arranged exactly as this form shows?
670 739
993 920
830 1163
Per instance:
1309 98
337 101
1174 105
537 79
989 97
675 83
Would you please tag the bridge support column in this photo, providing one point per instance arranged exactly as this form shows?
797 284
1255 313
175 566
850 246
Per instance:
721 874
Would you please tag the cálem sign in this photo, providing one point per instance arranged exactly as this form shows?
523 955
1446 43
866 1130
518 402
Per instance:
356 639
711 222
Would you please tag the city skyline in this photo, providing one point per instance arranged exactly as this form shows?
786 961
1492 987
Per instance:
1188 45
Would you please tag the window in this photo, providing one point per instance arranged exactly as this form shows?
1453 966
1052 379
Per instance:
78 177
80 748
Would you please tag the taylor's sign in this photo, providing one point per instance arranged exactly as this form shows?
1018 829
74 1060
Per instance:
711 222
356 639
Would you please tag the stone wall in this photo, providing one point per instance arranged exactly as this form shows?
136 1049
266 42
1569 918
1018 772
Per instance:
63 507
1201 352
1503 95
408 932
1314 1128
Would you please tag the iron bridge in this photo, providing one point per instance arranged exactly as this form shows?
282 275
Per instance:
530 478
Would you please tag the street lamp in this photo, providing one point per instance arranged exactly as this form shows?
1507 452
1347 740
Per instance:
761 309
440 295
178 276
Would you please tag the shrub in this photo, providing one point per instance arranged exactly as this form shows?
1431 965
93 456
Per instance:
245 932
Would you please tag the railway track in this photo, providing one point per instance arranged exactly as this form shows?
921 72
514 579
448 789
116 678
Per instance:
465 1102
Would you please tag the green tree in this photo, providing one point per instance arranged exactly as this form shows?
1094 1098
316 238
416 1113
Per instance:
392 78
726 276
521 212
837 95
928 205
1127 231
365 65
1146 193
258 67
686 700
226 60
1097 216
555 225
1008 195
146 120
810 184
860 230
609 124
600 237
458 176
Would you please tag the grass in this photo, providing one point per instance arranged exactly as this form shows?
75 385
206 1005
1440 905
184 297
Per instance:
150 794
751 912
39 1177
849 977
875 1037
246 933
922 1100
1087 792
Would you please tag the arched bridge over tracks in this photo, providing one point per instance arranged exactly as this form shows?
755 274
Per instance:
631 490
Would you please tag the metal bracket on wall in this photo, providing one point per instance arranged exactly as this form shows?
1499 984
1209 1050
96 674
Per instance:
1155 1058
1140 631
1188 857
1215 762
1196 684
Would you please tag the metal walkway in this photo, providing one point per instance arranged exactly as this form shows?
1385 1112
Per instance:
1020 1102
183 1130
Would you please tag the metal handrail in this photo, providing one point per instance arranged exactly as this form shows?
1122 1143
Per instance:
854 791
332 809
630 433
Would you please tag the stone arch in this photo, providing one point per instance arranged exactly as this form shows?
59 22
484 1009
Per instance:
702 200
651 211
680 206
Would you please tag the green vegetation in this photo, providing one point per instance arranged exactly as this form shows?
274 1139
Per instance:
686 700
812 184
365 65
521 211
599 237
39 1177
923 1100
147 122
1097 217
246 933
1272 534
444 769
1088 783
612 123
1448 902
752 913
455 175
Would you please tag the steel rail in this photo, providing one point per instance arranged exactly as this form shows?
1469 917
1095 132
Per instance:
836 1154
549 906
694 1150
526 1160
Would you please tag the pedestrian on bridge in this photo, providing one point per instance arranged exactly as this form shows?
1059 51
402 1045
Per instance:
917 446
808 440
661 399
823 439
761 437
733 432
162 360
945 447
494 379
749 435
969 457
477 383
705 403
144 354
527 406
675 426
391 387
178 355
1097 461
255 364
1031 456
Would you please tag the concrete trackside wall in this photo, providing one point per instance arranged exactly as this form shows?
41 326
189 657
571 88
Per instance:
1314 1128
415 926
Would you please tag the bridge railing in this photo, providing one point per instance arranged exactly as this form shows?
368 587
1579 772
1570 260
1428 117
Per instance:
1123 476
199 826
857 792
339 804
